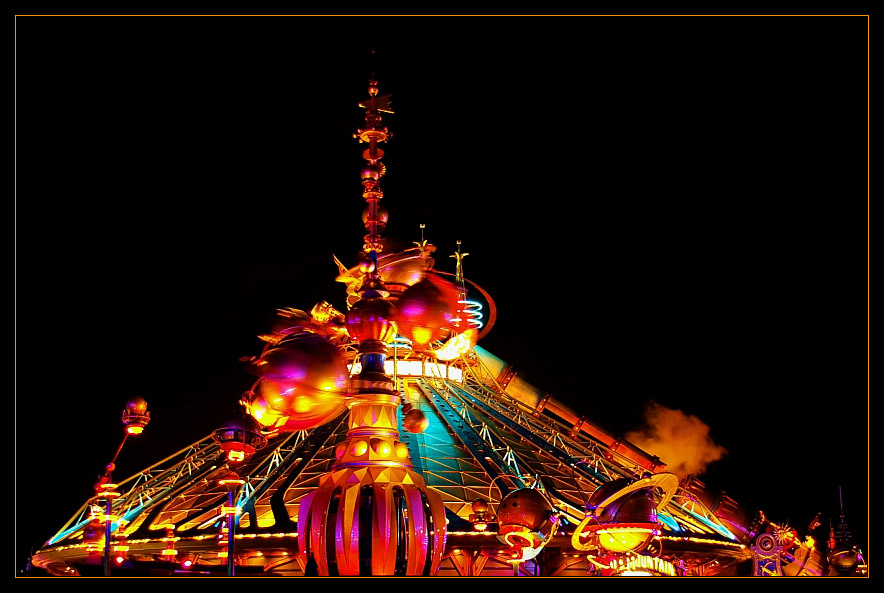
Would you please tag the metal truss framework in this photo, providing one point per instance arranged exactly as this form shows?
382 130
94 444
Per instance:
481 443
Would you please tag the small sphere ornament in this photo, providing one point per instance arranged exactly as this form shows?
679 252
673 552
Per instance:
372 172
415 421
135 415
239 438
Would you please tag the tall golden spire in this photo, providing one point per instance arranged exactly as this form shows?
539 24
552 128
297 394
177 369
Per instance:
372 514
374 216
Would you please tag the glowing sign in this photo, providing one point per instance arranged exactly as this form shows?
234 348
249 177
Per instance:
642 566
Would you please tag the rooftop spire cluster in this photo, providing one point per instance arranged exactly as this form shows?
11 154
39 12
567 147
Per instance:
383 441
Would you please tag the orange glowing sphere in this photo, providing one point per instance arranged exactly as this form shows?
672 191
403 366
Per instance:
382 217
415 421
280 405
367 265
136 405
480 505
424 313
309 361
526 508
240 437
302 384
371 172
629 521
526 522
636 507
135 415
372 319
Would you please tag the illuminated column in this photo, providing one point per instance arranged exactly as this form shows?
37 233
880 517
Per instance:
239 438
372 514
106 492
232 482
135 418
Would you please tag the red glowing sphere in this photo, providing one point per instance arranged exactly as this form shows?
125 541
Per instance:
372 319
636 507
480 505
382 217
308 363
135 415
424 313
415 421
240 435
279 405
526 522
524 508
628 522
302 384
371 172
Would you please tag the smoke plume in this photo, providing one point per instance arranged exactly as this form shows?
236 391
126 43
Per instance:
680 440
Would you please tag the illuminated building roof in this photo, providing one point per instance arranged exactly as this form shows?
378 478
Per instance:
480 444
489 434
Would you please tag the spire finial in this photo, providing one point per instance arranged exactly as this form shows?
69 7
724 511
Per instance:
458 256
422 244
374 216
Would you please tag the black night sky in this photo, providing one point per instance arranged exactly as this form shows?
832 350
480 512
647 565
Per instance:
667 209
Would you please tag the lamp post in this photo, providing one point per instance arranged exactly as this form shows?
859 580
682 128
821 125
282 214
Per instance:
239 438
135 418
